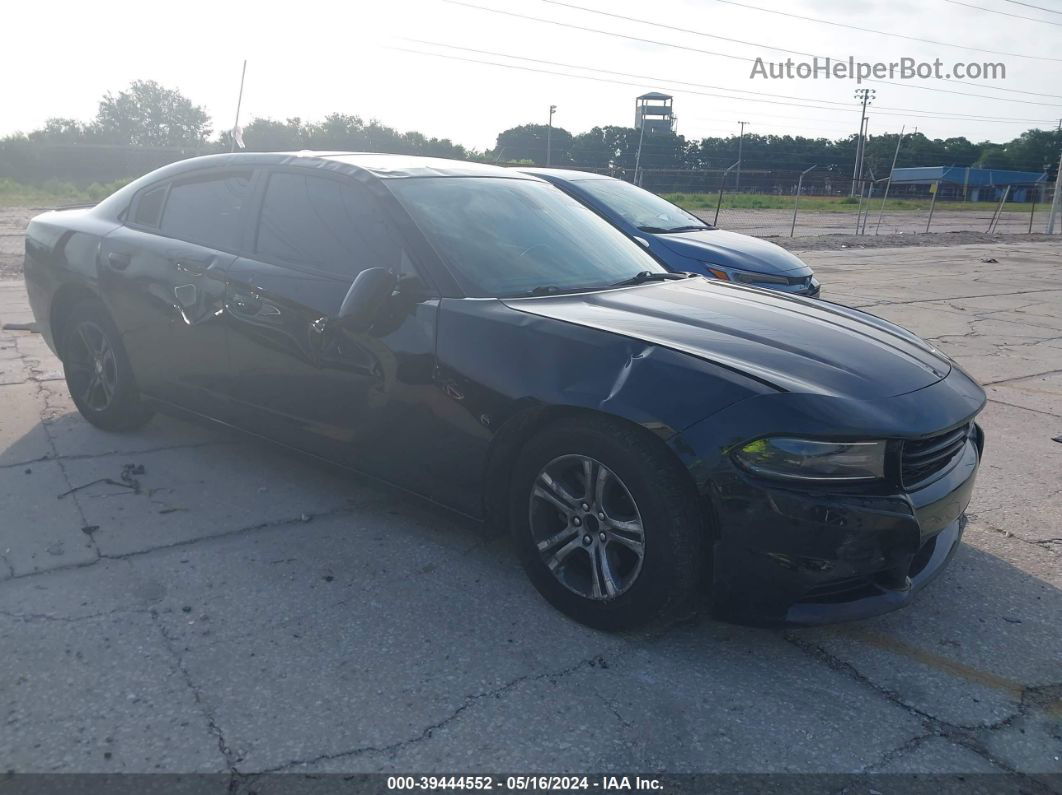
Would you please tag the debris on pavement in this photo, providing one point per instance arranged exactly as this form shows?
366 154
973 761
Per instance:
129 471
22 327
108 481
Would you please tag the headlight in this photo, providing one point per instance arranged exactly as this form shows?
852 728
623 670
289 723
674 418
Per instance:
806 459
743 277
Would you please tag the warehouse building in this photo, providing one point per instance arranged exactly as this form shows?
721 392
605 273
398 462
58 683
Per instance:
965 183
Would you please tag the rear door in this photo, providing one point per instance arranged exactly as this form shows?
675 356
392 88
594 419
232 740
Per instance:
362 399
163 275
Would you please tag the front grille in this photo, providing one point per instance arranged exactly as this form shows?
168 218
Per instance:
925 457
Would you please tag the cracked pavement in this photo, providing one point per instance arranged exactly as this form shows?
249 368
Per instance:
238 609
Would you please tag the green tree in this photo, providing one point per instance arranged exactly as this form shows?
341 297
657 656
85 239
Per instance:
1035 150
148 114
269 135
528 142
63 131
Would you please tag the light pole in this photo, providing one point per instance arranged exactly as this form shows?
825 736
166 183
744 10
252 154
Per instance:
741 140
549 133
866 95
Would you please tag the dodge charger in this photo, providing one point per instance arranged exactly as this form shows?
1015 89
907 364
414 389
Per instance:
480 338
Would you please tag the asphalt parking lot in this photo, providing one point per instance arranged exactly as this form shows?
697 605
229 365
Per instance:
185 599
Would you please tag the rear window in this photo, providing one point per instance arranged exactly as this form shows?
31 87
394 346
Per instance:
208 211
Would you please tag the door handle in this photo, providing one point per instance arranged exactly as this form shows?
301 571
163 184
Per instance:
118 260
245 304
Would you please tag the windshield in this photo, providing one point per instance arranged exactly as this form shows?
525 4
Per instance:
639 207
509 237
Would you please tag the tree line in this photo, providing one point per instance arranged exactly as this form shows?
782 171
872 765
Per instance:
147 114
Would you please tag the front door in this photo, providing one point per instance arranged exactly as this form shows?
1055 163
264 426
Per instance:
163 275
362 399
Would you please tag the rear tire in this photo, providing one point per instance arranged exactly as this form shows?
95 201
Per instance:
98 373
606 523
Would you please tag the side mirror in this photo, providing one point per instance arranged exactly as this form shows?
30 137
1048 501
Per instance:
365 298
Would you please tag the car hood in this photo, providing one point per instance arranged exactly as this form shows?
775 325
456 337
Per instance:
734 250
793 344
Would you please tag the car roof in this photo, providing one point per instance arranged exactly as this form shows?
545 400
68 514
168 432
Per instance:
362 165
378 164
563 173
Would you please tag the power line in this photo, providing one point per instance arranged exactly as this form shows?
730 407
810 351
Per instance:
920 115
658 79
1002 13
826 21
797 16
1038 7
726 55
813 55
1030 5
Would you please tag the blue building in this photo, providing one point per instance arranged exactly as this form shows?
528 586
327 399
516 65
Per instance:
969 184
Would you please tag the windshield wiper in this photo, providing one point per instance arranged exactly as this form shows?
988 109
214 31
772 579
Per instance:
650 276
552 289
659 230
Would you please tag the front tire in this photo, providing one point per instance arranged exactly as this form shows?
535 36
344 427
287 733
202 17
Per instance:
606 523
98 373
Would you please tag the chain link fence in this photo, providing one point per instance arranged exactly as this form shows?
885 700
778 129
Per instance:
822 202
769 203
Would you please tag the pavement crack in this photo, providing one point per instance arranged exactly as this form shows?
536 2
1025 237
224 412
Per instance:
1024 408
111 453
42 394
1043 543
895 753
969 737
298 519
49 617
172 646
1020 378
427 733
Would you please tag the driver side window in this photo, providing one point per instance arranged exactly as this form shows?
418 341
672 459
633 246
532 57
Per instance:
329 225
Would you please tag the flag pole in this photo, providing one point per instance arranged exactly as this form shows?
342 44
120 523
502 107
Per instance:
239 102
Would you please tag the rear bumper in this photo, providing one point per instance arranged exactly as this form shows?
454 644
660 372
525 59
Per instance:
789 557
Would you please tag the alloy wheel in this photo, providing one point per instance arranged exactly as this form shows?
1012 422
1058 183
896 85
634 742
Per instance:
92 368
586 527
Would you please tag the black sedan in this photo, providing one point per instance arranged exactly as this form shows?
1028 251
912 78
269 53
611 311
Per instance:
480 338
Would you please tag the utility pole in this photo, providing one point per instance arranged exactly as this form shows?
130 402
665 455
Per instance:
236 134
741 140
866 96
638 156
549 133
888 184
1056 202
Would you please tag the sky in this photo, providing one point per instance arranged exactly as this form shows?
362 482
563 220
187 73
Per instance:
372 59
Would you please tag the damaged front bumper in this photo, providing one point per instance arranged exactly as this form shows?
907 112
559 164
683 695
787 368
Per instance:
804 557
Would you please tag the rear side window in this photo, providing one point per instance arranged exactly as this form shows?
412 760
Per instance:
208 211
326 224
149 207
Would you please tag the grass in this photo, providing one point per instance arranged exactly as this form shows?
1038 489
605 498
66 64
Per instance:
54 193
827 204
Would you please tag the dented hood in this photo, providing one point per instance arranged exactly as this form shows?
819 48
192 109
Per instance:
792 344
